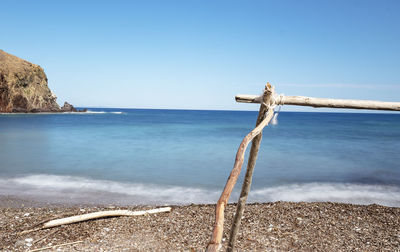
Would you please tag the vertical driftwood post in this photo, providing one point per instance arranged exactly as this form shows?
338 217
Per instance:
255 146
216 238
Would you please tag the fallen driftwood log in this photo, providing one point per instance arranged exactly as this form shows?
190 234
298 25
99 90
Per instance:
55 246
96 215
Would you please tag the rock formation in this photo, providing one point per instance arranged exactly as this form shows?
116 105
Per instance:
68 108
23 87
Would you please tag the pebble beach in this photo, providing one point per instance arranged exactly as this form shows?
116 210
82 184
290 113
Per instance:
278 226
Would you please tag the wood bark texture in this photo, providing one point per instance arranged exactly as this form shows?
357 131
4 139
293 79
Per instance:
324 102
215 243
255 146
96 215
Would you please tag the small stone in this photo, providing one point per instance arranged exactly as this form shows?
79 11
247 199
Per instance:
20 243
27 214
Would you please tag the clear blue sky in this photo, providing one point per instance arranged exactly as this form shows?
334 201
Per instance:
199 54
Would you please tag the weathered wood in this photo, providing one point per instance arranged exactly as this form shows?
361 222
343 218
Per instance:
323 102
255 146
55 246
215 243
102 214
96 215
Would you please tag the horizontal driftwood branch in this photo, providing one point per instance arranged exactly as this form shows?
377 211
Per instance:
324 102
102 214
96 215
55 246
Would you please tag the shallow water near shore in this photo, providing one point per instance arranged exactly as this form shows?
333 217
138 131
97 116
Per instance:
138 156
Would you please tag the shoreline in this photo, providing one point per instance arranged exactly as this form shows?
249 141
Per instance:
49 190
318 226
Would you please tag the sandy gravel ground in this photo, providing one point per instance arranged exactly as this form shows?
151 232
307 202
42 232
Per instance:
279 226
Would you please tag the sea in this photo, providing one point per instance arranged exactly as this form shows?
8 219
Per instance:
159 157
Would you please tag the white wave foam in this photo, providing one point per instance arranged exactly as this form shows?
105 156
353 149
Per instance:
69 189
103 112
334 192
80 189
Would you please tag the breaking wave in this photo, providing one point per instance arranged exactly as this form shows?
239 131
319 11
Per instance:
103 112
333 192
78 190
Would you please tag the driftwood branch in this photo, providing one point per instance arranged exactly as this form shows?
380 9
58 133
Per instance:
255 146
269 100
323 102
55 246
97 215
215 243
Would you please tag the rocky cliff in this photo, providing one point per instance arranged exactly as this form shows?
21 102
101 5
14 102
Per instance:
23 87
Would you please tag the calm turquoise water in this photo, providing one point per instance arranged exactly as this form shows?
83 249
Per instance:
133 156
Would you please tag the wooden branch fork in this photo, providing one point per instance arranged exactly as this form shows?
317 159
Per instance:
268 101
264 116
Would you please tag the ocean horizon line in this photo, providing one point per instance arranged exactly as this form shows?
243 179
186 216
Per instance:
341 111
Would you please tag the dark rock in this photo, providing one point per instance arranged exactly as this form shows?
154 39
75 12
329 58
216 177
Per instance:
68 108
